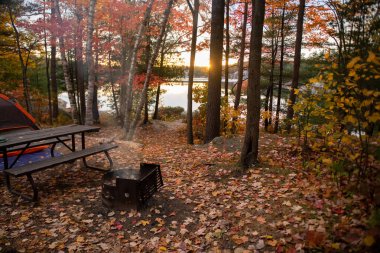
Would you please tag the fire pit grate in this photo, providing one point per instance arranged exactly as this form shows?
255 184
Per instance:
129 187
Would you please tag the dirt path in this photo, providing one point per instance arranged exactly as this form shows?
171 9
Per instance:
205 203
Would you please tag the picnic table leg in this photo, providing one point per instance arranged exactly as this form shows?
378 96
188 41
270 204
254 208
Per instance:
73 142
6 165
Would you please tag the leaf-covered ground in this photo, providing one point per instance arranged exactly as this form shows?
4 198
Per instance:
207 204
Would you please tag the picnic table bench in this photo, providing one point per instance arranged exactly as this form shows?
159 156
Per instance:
25 140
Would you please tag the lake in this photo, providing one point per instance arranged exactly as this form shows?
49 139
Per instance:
174 95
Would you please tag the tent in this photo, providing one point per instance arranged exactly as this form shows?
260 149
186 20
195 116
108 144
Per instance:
13 117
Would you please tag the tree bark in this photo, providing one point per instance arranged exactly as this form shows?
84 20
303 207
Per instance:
241 58
150 69
250 150
23 65
90 64
195 13
132 69
215 71
269 97
53 65
47 68
110 75
66 72
278 108
296 66
155 115
227 53
79 65
147 53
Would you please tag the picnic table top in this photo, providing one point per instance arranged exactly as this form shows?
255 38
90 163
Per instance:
43 134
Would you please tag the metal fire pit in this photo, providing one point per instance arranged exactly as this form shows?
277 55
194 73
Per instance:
131 188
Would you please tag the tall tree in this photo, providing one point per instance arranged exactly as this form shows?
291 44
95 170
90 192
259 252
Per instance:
65 65
132 68
282 35
90 65
79 62
150 70
53 63
297 63
250 150
195 13
11 7
227 53
215 71
47 67
241 58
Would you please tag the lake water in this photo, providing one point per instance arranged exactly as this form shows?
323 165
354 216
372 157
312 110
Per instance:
174 95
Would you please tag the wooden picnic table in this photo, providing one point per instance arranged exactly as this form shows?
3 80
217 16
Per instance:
23 140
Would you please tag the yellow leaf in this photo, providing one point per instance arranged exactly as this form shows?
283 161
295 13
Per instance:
162 248
327 161
352 63
369 240
372 58
327 55
335 245
80 239
296 91
144 222
24 218
374 117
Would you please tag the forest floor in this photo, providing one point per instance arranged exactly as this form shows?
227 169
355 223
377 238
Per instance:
207 203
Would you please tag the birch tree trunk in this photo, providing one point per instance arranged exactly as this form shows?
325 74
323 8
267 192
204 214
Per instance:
296 66
66 72
250 151
150 69
90 64
195 12
132 69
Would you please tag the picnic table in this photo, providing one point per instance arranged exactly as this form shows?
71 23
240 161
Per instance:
52 136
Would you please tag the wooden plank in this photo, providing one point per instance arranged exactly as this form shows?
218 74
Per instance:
40 143
50 162
44 134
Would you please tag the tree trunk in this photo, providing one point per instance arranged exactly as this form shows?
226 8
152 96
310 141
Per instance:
53 66
269 97
47 68
155 115
132 69
227 53
90 64
277 118
215 71
147 52
111 79
250 150
79 66
66 72
25 80
195 12
241 58
150 69
296 66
